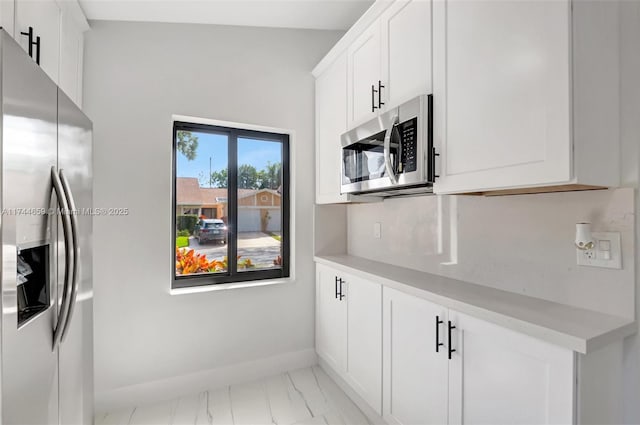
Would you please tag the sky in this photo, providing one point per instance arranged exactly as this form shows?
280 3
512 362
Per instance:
255 152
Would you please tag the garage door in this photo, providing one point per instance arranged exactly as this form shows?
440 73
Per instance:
275 222
248 220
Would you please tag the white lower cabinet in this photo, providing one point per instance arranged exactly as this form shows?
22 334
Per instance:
417 362
349 330
364 338
436 358
331 317
499 376
415 374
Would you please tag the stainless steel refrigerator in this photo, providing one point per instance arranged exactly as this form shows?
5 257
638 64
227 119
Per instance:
46 229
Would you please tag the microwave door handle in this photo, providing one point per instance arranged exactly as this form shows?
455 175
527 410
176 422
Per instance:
387 151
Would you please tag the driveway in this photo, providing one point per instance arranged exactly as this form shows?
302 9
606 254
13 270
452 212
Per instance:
261 248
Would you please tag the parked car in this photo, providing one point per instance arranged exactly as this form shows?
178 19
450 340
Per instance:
211 230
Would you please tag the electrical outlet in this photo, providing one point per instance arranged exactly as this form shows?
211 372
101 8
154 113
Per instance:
606 251
589 254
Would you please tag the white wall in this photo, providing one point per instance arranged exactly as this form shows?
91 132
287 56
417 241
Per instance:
136 76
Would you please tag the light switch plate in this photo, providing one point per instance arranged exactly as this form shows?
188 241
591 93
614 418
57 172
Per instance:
596 257
377 230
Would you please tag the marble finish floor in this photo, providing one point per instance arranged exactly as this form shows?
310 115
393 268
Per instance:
301 397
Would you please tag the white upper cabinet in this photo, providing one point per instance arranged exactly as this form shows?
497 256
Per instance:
71 56
331 122
6 15
43 16
390 62
406 51
497 376
386 62
364 77
60 26
414 373
525 95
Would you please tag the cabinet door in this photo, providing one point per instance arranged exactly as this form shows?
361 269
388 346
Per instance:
331 122
364 72
499 376
44 17
6 15
502 94
71 44
406 51
415 375
331 319
364 338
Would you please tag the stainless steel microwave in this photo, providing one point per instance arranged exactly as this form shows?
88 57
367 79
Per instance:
393 153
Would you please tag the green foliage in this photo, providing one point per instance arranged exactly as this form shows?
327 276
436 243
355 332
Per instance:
270 177
182 241
184 232
187 144
186 222
219 178
248 177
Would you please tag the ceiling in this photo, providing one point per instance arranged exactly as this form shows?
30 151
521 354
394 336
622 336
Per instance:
308 14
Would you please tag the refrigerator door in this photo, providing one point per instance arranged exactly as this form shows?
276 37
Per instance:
76 349
29 150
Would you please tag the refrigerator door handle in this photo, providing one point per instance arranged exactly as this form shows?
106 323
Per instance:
66 230
74 239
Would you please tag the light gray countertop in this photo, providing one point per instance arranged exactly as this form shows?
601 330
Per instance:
574 328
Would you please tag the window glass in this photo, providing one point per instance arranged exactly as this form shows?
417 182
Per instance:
259 204
231 201
201 170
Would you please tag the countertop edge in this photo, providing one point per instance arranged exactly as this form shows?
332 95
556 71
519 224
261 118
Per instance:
577 343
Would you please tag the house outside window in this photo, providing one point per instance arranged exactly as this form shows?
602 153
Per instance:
231 201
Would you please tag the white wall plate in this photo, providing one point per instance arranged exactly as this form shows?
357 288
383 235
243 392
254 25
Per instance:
606 252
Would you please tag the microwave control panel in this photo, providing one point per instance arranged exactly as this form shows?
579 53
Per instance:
408 145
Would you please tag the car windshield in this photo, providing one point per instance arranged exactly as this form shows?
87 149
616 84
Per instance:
213 225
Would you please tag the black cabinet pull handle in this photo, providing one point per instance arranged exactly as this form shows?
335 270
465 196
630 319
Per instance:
38 50
33 43
341 294
373 98
380 87
438 343
336 287
30 35
451 350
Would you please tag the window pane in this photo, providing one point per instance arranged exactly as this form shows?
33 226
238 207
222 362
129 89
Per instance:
201 203
259 204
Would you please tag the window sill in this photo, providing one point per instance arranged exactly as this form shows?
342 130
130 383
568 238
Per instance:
227 286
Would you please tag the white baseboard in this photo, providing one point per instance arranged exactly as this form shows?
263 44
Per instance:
171 388
364 407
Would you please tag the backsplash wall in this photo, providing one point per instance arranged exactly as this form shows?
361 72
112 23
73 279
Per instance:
521 244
